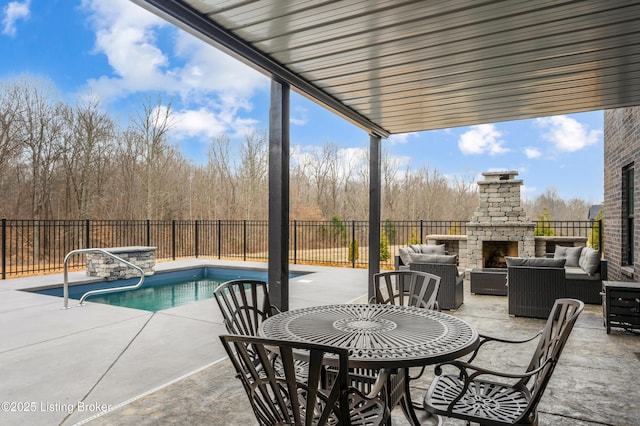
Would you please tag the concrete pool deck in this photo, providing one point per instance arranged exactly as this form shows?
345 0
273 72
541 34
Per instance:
53 361
168 367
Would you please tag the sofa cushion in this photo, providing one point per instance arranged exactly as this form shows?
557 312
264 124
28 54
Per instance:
415 247
577 273
432 249
404 254
433 258
539 262
589 260
572 254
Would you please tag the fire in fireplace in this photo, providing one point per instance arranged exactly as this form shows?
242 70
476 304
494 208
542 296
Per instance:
494 253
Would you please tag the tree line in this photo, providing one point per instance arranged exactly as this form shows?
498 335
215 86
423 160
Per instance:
61 160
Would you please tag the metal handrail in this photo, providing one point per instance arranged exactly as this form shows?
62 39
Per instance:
102 290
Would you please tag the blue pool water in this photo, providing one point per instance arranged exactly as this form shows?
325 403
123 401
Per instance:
163 290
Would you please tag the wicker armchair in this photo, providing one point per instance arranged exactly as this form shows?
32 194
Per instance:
533 290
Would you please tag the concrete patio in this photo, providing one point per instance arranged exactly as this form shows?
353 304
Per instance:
67 367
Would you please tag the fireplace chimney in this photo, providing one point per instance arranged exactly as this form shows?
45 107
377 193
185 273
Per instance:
499 218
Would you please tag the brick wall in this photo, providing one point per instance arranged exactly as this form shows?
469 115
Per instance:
621 148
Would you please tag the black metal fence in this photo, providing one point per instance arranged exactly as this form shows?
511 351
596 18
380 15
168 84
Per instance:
39 246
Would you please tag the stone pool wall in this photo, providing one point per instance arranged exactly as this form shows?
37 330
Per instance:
101 265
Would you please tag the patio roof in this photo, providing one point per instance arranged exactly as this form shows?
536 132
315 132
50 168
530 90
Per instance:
402 66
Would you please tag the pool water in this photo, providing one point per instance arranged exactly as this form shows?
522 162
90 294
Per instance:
157 298
164 290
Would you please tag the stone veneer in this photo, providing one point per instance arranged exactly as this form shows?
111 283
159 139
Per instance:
101 265
499 217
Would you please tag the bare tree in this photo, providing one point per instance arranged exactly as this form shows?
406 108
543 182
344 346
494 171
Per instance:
253 176
40 136
88 151
150 127
10 117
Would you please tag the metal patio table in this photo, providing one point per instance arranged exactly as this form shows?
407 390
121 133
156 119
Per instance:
379 336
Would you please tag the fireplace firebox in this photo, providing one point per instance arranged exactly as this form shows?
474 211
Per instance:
494 253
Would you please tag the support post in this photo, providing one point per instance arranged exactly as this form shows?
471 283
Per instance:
374 210
279 195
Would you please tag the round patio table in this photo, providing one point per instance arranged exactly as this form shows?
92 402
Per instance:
379 336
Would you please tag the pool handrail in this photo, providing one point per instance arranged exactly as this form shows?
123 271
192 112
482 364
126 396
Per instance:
65 287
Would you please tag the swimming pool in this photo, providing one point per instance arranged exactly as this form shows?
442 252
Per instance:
164 290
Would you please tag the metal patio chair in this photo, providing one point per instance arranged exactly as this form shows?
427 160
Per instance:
406 288
464 395
244 305
280 397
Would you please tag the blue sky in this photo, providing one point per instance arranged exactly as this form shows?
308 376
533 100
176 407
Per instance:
123 54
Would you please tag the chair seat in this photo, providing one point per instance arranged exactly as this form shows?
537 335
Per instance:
494 402
364 411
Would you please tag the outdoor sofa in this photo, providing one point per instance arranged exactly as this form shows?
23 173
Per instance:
435 260
534 283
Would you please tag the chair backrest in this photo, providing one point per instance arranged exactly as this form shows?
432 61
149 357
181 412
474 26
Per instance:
244 305
281 396
560 322
406 288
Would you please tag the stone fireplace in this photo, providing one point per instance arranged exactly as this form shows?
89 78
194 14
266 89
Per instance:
499 227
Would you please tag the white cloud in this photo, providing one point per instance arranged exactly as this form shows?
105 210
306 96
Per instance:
13 12
567 134
147 54
401 138
484 138
299 116
532 152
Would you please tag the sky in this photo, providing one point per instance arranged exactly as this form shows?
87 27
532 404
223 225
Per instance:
123 55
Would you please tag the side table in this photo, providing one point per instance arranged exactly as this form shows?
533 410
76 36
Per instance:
621 304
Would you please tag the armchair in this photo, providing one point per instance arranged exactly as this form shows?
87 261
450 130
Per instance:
465 395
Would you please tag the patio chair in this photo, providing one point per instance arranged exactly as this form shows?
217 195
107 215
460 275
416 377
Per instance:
280 397
410 288
244 305
404 288
464 395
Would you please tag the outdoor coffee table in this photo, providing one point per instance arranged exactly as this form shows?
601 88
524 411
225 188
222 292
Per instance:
379 336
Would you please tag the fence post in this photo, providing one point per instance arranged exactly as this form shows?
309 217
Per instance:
195 236
421 231
87 236
173 239
4 248
600 236
353 244
295 241
148 233
244 240
219 238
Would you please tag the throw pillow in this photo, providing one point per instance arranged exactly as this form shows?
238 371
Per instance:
405 255
433 258
415 247
589 260
572 254
432 249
